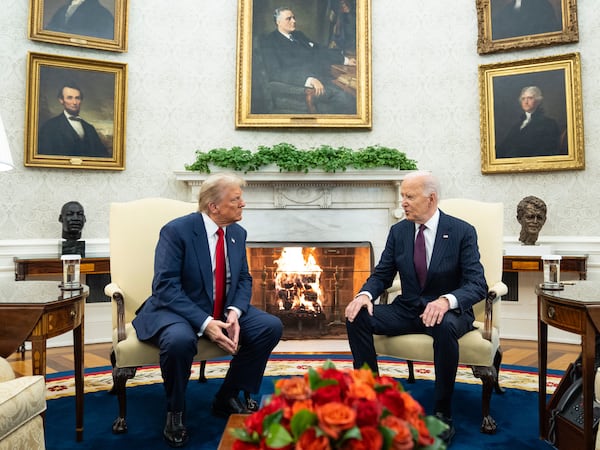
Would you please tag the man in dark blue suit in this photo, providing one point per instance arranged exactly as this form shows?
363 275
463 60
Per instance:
68 134
84 17
438 304
291 57
180 309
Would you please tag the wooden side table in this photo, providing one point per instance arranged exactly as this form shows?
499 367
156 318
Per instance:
234 421
575 309
42 268
534 264
37 317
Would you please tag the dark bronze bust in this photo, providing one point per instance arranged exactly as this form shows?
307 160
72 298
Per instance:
531 214
72 218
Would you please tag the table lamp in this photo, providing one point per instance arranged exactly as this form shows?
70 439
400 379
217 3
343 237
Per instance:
6 162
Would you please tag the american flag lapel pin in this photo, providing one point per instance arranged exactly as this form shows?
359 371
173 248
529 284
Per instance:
444 236
232 240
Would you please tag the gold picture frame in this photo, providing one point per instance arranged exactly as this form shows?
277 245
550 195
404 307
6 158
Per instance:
58 88
550 137
98 24
503 27
266 95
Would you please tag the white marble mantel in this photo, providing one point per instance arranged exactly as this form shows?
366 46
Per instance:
315 188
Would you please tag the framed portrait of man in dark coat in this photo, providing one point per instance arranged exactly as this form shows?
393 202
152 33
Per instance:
303 64
531 115
100 24
75 115
513 24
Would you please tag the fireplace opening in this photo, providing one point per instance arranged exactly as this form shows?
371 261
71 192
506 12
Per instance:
308 284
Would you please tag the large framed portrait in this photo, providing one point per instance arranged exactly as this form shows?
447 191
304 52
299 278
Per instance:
99 24
514 24
75 113
307 64
532 115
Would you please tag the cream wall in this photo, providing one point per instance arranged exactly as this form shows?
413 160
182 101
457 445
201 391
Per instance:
180 97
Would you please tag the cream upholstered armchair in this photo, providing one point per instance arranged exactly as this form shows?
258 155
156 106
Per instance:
480 348
133 233
22 402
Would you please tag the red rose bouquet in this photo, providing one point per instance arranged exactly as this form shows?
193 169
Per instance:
329 408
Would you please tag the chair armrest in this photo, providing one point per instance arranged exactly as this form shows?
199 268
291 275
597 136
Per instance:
113 291
494 293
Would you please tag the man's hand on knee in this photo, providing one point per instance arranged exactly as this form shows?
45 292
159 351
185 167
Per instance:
435 311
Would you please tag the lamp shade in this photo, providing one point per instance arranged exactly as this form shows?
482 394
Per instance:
6 162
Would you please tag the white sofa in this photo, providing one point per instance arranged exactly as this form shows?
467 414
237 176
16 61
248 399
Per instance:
22 401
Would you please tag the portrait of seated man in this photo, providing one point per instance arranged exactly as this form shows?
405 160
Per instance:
513 18
298 71
68 134
533 133
84 17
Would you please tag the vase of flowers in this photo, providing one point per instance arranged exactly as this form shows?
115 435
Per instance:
327 408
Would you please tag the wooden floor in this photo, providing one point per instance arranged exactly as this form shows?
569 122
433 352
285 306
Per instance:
520 353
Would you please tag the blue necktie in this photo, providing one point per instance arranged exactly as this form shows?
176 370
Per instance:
420 256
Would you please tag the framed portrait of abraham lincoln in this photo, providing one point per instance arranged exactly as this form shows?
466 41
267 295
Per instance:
305 64
97 24
505 25
531 115
75 113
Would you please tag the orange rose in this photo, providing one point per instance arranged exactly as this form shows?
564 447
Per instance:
293 388
300 405
361 390
309 441
363 376
403 437
334 418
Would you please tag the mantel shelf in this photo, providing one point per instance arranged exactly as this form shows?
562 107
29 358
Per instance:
272 175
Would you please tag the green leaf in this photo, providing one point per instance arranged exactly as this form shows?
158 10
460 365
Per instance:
278 436
301 421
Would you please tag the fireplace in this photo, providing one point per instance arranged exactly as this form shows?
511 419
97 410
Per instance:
308 284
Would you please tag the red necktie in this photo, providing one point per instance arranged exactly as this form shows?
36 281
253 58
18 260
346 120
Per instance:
420 256
220 275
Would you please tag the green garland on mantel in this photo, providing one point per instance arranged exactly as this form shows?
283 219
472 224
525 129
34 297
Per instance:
291 159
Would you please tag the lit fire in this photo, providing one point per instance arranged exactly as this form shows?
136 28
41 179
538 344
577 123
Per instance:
297 281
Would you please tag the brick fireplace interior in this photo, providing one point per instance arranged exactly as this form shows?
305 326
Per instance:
308 284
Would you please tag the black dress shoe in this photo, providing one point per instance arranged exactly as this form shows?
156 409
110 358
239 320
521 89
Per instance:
225 407
449 432
175 432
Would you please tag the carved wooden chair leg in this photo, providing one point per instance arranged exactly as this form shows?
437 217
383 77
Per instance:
120 377
411 372
202 376
489 378
497 362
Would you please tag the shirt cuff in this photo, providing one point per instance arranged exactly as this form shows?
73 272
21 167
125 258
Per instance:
451 300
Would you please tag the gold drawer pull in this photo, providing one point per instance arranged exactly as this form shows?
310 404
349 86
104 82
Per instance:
551 312
73 314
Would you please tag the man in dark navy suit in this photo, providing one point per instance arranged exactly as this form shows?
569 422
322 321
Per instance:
180 309
68 134
291 57
84 17
436 300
